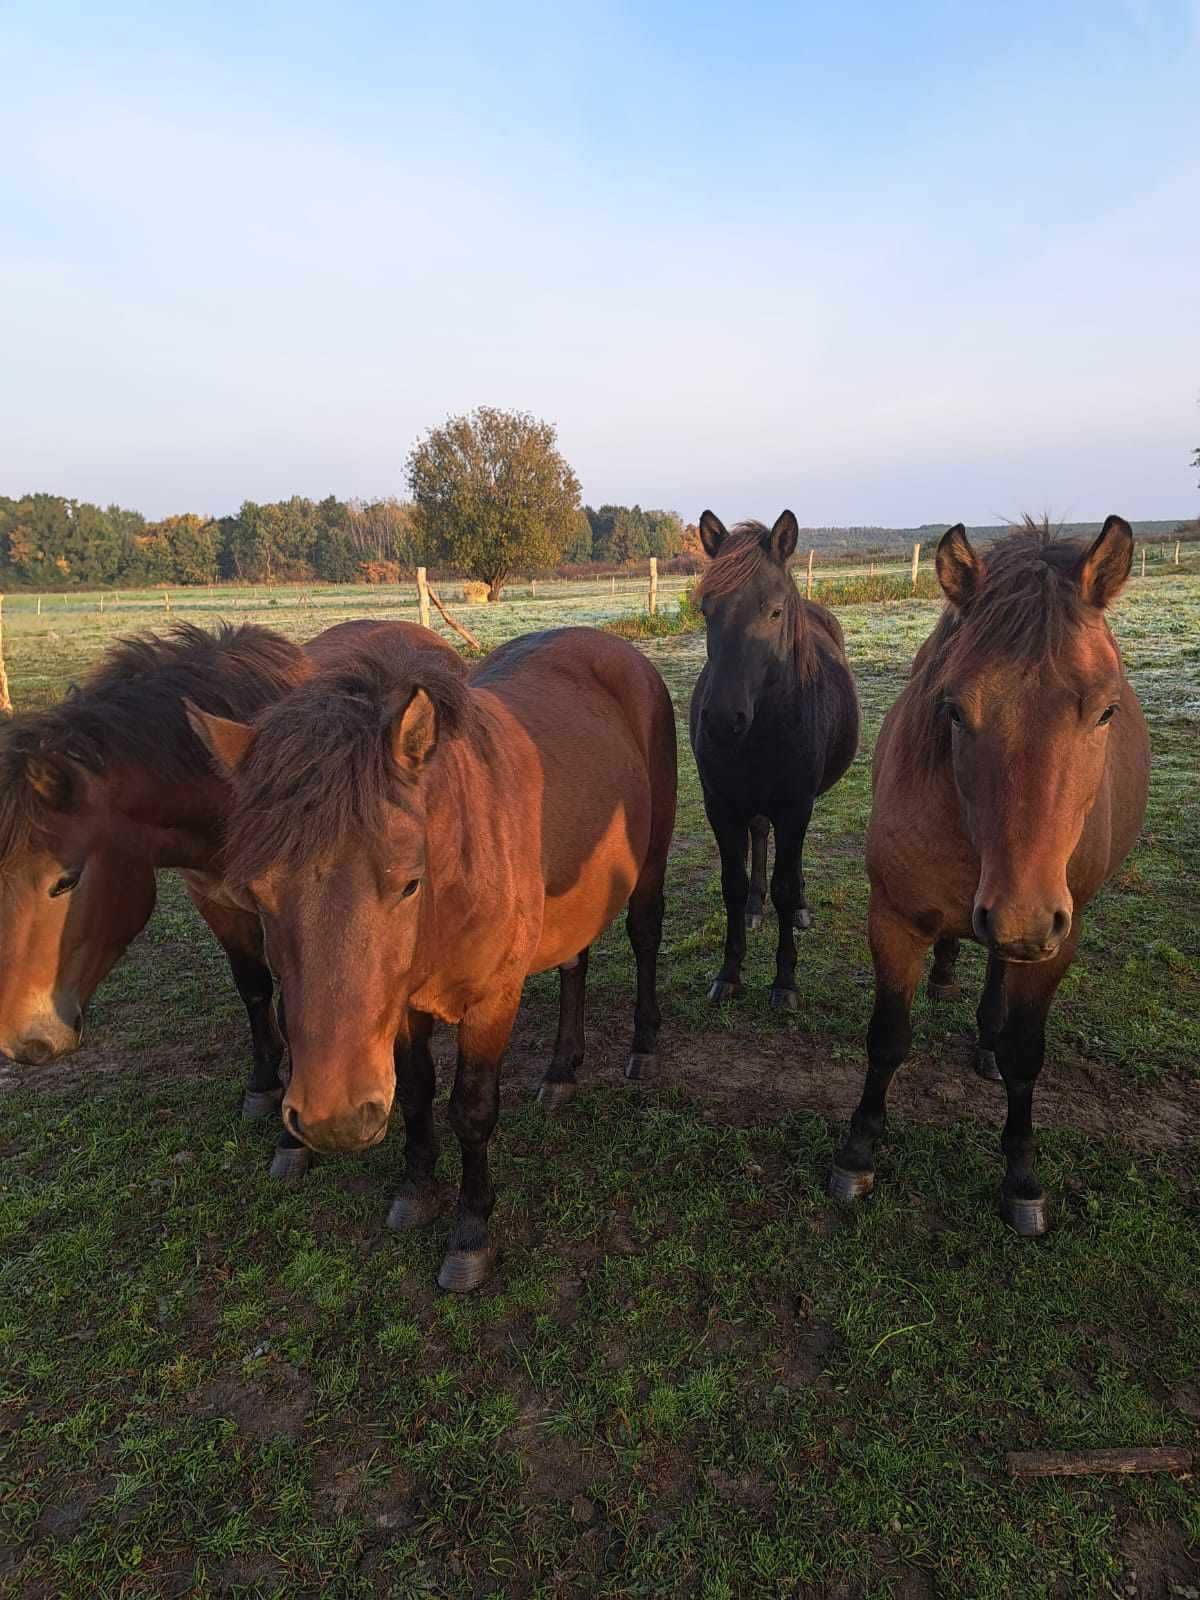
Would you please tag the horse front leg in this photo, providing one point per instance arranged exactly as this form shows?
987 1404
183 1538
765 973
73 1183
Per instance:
787 896
483 1035
1020 1052
760 827
239 934
733 841
558 1085
898 953
417 1201
990 1018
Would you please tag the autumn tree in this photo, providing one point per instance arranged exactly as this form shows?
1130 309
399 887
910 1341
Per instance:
492 495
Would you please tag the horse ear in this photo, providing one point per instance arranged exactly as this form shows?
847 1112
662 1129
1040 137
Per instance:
960 569
784 535
53 780
712 532
226 741
1103 570
414 733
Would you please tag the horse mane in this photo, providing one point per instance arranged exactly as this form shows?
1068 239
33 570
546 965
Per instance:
320 767
1029 605
129 710
740 556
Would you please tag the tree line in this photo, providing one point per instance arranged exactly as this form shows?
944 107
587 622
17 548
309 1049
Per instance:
491 496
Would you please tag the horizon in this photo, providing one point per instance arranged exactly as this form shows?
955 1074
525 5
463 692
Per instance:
868 265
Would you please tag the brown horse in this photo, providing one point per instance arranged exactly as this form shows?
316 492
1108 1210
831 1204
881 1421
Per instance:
416 847
1010 783
114 780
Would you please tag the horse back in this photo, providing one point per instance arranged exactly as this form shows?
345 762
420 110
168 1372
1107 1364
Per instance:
339 645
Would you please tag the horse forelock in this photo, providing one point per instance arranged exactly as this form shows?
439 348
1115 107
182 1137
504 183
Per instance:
320 770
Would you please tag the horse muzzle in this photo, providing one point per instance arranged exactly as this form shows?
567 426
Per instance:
358 1128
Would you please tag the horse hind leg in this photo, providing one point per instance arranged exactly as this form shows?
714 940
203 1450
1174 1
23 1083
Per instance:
943 983
760 827
558 1086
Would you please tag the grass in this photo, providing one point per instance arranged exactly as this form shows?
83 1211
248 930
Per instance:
692 1376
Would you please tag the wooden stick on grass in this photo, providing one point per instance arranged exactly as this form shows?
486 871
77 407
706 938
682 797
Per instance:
1079 1463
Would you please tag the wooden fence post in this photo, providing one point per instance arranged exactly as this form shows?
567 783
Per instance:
422 597
39 609
808 588
533 588
613 589
916 558
652 597
1177 552
166 600
5 700
1143 561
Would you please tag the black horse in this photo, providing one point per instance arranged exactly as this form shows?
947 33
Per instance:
774 723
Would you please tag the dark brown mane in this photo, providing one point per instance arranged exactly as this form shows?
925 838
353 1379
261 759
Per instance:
321 766
741 555
1029 606
129 710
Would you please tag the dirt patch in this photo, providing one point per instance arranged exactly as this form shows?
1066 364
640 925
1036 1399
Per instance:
1156 1563
260 1410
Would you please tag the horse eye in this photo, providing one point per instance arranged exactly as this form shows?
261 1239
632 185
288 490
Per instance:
410 888
955 715
66 883
776 614
1107 715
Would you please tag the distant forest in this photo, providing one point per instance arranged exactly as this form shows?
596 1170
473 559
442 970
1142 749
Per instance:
48 542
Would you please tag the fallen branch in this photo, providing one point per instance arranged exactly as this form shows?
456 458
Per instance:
463 633
1078 1463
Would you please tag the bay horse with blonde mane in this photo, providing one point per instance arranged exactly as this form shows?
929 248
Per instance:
774 724
416 846
1010 783
102 789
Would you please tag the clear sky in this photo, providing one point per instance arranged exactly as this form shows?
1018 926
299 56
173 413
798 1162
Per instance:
883 263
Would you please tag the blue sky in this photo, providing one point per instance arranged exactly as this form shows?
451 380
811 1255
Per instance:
880 263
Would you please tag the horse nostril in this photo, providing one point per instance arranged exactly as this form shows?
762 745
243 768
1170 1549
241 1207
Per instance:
979 922
291 1121
1062 924
739 722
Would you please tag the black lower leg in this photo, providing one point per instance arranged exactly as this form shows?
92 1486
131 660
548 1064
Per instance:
643 923
558 1084
888 1039
474 1109
943 983
416 1199
990 1019
787 896
253 979
732 841
1020 1053
760 827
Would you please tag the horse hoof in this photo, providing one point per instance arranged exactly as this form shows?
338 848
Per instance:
802 921
985 1065
1025 1217
846 1186
289 1165
464 1270
785 1000
754 921
641 1066
719 992
413 1208
260 1103
555 1095
944 991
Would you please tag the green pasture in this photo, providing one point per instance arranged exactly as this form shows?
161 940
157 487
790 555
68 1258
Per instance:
691 1374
